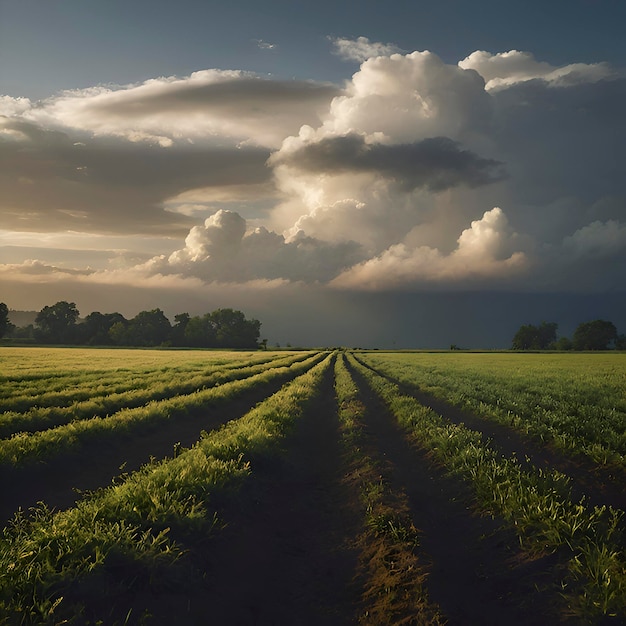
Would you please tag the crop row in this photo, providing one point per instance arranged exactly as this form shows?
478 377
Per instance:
21 365
536 503
50 563
395 589
41 445
575 402
59 566
53 391
141 391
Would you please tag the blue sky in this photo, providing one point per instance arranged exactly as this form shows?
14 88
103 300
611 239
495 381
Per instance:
47 45
313 154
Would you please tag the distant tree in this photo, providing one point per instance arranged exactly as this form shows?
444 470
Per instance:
620 342
178 330
147 328
563 343
119 334
94 331
200 332
24 333
233 330
57 323
530 337
5 323
595 335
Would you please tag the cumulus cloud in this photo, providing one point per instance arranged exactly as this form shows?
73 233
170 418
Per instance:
224 250
598 239
482 253
382 183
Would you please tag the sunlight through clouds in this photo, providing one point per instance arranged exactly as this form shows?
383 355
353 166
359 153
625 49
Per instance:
414 172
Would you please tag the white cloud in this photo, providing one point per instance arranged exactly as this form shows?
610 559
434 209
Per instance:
223 249
508 68
361 48
222 107
483 252
265 45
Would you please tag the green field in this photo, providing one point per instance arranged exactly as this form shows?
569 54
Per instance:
311 487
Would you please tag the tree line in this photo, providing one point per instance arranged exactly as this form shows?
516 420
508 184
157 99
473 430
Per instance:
594 335
61 324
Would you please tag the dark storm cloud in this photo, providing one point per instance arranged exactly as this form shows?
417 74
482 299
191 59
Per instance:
51 182
436 163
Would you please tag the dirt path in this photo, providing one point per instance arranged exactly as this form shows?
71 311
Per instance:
476 575
59 482
599 485
285 556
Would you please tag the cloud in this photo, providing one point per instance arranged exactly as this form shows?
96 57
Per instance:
407 128
508 68
437 163
222 107
483 252
598 239
383 183
361 48
264 45
51 182
223 250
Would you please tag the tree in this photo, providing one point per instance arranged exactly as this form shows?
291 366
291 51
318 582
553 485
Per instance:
147 328
563 343
57 323
200 332
595 335
5 323
233 330
530 337
94 331
178 330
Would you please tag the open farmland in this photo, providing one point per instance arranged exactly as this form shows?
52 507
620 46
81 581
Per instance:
304 487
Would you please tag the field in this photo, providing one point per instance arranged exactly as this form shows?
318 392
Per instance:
312 487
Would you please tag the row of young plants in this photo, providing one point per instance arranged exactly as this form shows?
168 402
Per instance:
575 402
141 391
537 504
73 387
24 364
52 565
24 448
394 577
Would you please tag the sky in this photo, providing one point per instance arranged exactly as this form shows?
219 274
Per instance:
407 174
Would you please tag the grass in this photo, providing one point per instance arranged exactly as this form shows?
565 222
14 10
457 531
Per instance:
53 564
536 503
35 447
576 402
